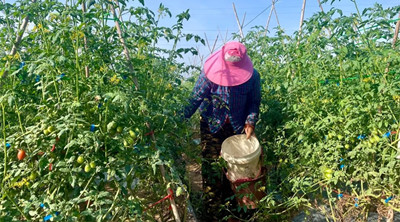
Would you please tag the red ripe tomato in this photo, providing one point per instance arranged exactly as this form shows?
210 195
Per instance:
50 166
21 154
53 148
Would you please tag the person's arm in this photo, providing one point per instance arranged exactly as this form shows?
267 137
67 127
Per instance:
254 109
200 91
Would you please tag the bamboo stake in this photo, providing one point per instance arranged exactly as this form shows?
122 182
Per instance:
208 44
302 16
85 40
162 169
396 34
127 56
244 17
122 40
269 17
18 39
238 22
301 21
276 14
215 42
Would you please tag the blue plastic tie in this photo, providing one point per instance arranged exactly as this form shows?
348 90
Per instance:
42 205
100 105
21 65
341 159
338 84
92 128
361 137
356 204
37 78
356 199
59 78
386 135
48 217
388 199
8 145
341 166
340 195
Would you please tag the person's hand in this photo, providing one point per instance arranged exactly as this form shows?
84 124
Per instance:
249 130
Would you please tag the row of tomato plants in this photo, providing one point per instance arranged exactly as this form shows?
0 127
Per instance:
77 144
330 114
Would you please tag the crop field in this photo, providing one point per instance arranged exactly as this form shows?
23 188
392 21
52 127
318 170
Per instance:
91 114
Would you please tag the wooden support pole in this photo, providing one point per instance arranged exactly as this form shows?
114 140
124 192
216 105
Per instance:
18 39
276 14
396 33
122 40
302 16
85 39
395 36
208 44
211 49
162 169
301 21
269 17
238 22
244 18
215 42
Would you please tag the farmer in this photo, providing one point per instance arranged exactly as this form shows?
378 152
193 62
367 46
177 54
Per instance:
228 94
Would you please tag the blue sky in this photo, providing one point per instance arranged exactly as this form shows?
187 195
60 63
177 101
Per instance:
216 17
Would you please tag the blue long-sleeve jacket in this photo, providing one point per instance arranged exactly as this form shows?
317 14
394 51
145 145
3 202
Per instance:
241 104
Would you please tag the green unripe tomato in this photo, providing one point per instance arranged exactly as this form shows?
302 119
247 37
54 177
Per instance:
51 129
87 168
132 134
126 144
120 129
46 132
111 125
92 164
33 176
328 176
80 160
347 146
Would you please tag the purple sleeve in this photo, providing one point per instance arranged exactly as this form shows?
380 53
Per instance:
255 100
200 91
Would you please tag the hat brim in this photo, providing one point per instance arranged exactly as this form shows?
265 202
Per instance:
225 73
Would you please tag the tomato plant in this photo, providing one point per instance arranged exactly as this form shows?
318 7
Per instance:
70 100
330 109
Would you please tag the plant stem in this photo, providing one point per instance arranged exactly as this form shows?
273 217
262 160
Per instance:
330 203
5 146
19 118
112 205
77 66
15 204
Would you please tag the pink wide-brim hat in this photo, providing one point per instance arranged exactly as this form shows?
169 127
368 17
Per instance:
220 71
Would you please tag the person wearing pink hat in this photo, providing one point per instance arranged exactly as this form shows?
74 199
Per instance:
228 95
